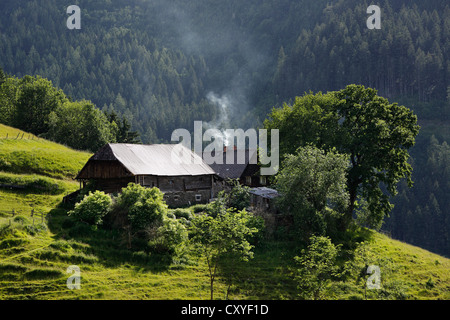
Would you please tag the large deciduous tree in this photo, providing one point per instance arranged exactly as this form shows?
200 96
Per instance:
36 99
374 133
80 125
312 184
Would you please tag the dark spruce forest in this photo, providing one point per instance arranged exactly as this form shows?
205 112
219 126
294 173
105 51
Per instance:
154 66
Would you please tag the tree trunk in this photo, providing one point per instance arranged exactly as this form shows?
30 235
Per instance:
212 288
348 215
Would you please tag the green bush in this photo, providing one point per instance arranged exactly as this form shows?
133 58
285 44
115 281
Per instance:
183 213
198 208
316 267
238 197
169 237
145 206
92 208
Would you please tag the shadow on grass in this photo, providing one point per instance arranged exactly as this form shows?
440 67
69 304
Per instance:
270 274
104 246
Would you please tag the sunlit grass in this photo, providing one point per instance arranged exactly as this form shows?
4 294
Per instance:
35 252
32 155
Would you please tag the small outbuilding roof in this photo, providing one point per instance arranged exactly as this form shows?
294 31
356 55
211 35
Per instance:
265 192
156 159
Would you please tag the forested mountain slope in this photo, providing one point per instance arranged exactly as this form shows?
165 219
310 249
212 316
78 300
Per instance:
163 64
156 61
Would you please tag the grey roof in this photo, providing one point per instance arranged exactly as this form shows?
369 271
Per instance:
265 192
158 160
232 168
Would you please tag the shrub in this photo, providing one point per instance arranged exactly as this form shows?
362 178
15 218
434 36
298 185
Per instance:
316 267
174 235
145 206
183 213
198 208
92 208
167 238
238 197
258 224
145 212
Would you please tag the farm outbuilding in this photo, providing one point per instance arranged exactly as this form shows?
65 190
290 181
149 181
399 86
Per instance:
262 199
183 183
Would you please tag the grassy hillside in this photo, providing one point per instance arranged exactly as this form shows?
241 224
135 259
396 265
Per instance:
21 152
34 267
35 251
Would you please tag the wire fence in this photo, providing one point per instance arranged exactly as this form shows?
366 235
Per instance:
33 214
20 136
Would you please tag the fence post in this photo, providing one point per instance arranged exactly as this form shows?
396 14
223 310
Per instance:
13 212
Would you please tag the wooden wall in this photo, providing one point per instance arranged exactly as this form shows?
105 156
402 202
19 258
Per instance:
103 169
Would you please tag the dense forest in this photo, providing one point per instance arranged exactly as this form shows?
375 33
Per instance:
159 65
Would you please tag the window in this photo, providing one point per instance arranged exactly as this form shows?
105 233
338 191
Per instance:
198 197
263 180
147 181
248 180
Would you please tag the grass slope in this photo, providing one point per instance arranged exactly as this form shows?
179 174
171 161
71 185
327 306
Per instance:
34 173
24 153
35 252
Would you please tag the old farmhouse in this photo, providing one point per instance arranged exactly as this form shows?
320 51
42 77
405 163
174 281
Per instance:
116 165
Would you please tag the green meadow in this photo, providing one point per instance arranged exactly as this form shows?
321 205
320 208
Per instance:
36 250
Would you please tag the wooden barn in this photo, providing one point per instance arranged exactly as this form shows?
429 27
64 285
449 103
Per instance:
116 165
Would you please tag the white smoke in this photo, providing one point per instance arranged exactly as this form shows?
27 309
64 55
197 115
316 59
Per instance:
222 123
